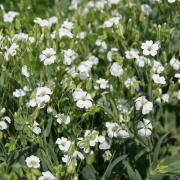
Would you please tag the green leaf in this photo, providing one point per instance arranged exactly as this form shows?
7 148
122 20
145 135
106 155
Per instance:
157 151
133 174
109 169
89 173
48 128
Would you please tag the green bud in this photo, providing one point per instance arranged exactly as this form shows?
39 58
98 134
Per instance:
72 167
90 158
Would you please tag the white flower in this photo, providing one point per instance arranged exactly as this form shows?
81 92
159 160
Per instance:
132 54
81 35
100 4
31 39
65 33
42 95
50 109
74 4
63 144
175 63
146 9
104 84
84 69
93 60
31 103
123 133
33 162
78 154
62 118
110 53
36 130
130 82
102 45
162 98
20 37
165 98
59 118
65 29
66 159
157 67
48 56
177 75
23 37
19 93
9 16
46 22
69 56
3 125
142 102
140 61
158 79
112 129
111 22
26 89
113 2
24 71
72 71
6 118
68 25
47 176
116 69
104 145
171 1
144 128
82 98
10 51
150 48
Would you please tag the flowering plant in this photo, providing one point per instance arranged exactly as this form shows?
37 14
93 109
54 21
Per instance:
90 89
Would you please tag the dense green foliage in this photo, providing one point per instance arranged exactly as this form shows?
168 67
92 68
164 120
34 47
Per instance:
130 154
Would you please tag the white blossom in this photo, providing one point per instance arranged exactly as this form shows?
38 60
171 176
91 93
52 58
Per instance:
33 162
158 79
103 84
47 176
177 75
19 93
11 51
150 48
175 63
110 54
111 22
142 102
146 9
69 56
113 2
3 125
48 56
24 71
116 70
157 67
132 54
144 128
65 30
82 99
63 144
46 22
9 16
